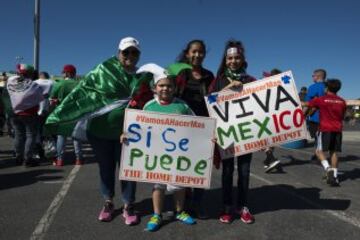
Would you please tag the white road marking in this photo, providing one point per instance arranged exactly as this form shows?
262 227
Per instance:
53 182
46 220
338 214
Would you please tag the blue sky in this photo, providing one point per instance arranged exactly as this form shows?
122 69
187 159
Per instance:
290 35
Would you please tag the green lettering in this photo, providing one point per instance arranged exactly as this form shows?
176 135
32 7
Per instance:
147 161
180 160
221 132
165 160
262 126
200 167
243 130
135 153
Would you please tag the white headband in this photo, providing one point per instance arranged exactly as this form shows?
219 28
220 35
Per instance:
233 50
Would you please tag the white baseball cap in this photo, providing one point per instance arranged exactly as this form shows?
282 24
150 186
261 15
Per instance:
128 42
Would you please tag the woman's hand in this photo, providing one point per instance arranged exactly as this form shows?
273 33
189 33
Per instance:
236 84
123 138
233 84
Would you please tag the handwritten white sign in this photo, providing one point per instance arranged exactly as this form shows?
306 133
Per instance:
263 113
167 148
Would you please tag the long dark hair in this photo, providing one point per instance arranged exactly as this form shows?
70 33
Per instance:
229 44
182 56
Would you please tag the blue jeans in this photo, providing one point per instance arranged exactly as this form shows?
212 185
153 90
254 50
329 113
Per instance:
107 153
25 134
60 147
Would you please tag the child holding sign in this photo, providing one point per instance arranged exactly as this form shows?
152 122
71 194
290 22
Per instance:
232 74
165 102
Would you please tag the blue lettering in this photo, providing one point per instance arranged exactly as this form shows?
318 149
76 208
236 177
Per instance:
148 137
171 149
131 129
183 144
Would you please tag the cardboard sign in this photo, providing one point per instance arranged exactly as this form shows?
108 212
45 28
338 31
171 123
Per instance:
167 148
263 113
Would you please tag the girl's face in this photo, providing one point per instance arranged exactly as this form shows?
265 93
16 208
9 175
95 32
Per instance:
234 61
196 54
165 89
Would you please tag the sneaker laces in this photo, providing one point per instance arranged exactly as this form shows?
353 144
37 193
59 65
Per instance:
183 216
245 210
108 206
155 219
130 210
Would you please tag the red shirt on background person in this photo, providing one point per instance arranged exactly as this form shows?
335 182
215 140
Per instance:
332 111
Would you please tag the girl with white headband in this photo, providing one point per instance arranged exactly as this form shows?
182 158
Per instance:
232 74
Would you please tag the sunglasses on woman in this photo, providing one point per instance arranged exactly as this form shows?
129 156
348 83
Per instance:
133 52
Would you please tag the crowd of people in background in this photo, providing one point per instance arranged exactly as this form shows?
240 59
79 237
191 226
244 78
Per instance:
43 113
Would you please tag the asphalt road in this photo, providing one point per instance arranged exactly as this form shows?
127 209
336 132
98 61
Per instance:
47 202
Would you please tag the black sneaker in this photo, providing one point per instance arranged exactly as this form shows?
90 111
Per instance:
331 179
335 183
269 158
272 165
267 161
279 168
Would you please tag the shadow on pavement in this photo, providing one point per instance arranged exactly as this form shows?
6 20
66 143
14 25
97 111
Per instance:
279 197
27 177
261 199
294 161
350 175
348 158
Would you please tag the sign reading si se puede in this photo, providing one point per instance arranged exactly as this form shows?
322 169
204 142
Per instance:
261 114
167 148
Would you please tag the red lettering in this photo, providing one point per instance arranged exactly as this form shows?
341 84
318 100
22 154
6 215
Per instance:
281 117
276 123
298 118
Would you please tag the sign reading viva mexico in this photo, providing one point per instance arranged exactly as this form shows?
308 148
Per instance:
167 148
263 113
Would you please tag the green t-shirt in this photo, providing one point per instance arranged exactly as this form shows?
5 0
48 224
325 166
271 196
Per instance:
62 88
177 106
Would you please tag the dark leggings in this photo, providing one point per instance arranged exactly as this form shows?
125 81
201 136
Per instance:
243 167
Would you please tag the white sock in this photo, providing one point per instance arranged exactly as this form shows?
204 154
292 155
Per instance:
335 172
325 164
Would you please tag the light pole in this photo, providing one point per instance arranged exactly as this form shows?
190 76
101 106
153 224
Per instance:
36 34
